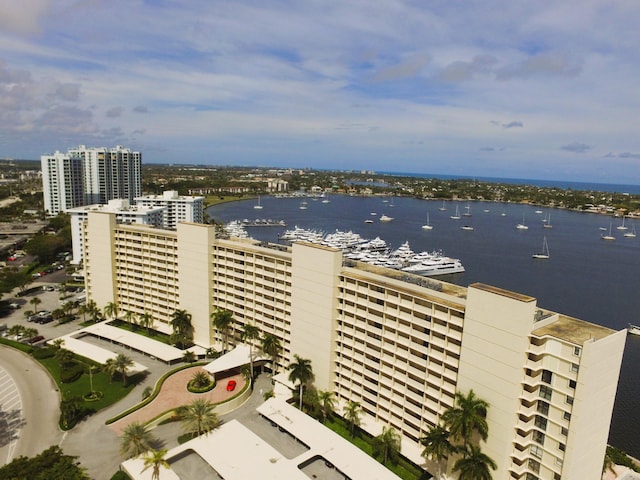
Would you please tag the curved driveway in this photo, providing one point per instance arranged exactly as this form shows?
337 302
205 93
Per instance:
29 402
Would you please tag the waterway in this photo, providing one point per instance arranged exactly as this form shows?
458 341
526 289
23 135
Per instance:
585 277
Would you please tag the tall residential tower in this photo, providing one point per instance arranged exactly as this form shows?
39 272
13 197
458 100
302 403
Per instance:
86 176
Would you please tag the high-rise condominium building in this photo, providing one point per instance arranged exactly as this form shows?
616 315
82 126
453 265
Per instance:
85 176
398 345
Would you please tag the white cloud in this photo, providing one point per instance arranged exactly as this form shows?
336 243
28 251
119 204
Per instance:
372 80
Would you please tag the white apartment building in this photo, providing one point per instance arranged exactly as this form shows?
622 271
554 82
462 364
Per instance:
178 208
86 176
124 213
62 182
400 346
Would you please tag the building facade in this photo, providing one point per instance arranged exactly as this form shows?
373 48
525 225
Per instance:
86 176
177 208
400 346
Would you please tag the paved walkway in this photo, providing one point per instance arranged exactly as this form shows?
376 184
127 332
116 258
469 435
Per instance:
174 393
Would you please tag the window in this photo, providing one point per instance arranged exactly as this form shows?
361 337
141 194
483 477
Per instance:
556 476
538 437
543 407
534 465
541 422
564 431
536 451
562 447
546 376
531 476
575 367
569 399
545 392
576 351
572 384
567 416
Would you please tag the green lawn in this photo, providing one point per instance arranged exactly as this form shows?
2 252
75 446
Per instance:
403 469
153 334
111 392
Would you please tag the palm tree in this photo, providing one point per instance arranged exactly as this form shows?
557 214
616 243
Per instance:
110 368
249 334
301 372
474 465
327 404
123 363
201 379
468 416
352 413
57 343
16 330
146 321
135 440
130 317
387 444
92 309
271 346
182 327
198 417
35 301
437 446
222 320
154 460
111 310
69 408
63 356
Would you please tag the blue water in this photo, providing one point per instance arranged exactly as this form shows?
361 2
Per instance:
586 277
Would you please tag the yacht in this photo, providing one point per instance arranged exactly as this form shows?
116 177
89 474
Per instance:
258 206
436 265
457 215
608 235
427 226
385 218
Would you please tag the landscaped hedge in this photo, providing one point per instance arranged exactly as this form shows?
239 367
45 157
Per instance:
45 352
71 373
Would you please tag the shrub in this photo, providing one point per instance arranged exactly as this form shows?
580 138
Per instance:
71 373
45 352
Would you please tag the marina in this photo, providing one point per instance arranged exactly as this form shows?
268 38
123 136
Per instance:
582 278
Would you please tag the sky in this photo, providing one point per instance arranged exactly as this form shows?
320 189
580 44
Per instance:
511 88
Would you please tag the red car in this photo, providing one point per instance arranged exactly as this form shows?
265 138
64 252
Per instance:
231 385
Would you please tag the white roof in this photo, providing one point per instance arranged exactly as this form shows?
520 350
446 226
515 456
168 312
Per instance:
98 354
237 357
228 448
154 348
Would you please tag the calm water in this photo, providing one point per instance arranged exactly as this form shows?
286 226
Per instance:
586 277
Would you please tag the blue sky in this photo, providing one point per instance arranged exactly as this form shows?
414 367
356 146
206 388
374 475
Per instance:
523 89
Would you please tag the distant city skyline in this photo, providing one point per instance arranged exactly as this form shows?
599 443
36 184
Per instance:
542 90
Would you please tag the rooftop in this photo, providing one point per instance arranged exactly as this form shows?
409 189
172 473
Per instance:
573 330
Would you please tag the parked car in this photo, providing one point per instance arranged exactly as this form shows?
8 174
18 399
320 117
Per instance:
36 339
231 385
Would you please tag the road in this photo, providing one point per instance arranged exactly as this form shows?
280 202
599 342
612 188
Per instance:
28 411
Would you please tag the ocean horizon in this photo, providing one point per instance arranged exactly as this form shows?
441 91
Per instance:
563 184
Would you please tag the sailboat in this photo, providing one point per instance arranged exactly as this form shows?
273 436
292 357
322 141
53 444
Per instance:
544 255
325 199
258 206
547 223
443 208
522 226
427 226
468 210
608 236
622 227
457 215
632 233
